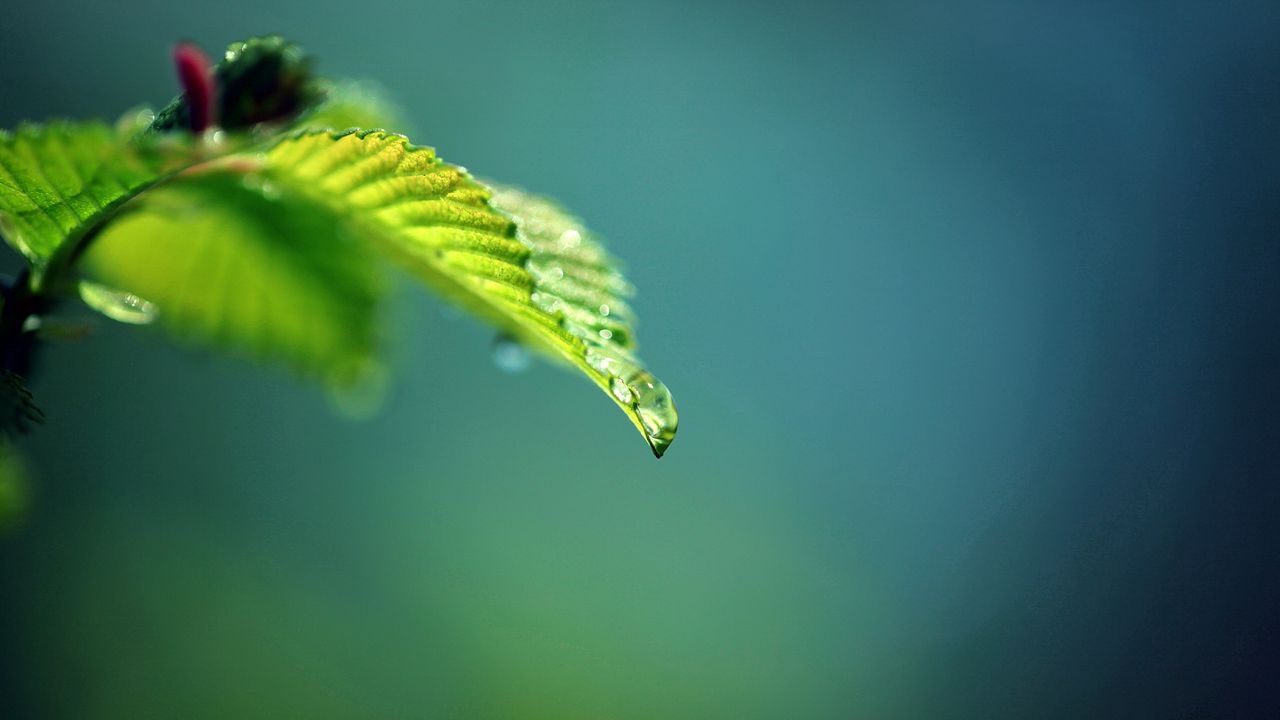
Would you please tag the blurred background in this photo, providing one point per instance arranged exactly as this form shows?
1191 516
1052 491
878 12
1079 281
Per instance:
970 310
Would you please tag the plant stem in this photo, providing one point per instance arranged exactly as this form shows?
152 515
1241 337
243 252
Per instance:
16 344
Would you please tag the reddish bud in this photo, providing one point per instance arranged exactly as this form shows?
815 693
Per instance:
195 72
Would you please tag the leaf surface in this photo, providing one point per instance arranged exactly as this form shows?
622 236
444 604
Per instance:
59 180
514 259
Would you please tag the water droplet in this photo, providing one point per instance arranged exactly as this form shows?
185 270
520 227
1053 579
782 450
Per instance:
604 310
620 390
134 121
549 303
651 423
598 360
546 273
360 395
118 305
259 184
606 333
570 239
509 355
656 410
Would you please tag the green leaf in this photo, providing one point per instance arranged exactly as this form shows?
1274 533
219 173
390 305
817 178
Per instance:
220 258
524 266
254 250
580 284
59 181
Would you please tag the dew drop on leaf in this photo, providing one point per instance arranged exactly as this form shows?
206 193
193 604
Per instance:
620 390
656 410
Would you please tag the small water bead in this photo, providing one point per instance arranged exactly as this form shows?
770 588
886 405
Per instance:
618 335
604 310
570 239
599 361
257 183
509 355
586 334
620 390
270 190
134 121
546 302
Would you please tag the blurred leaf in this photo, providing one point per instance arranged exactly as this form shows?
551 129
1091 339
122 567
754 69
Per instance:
222 258
535 272
57 181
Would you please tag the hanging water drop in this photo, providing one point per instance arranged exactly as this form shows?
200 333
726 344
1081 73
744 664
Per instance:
598 360
118 305
361 392
509 355
656 410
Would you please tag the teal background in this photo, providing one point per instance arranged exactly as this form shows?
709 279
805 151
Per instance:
969 310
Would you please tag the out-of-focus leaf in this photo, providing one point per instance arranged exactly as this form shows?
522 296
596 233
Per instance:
226 259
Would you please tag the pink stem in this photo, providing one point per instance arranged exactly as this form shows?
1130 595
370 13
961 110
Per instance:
195 72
